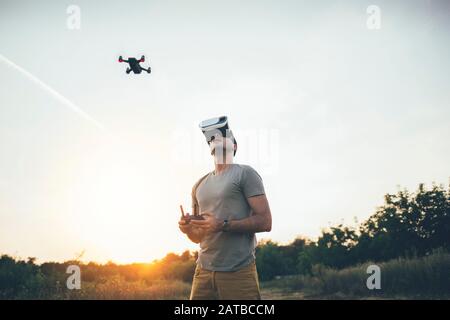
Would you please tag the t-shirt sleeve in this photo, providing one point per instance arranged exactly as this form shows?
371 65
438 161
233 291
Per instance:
251 183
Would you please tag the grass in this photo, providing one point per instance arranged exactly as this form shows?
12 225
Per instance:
116 288
404 278
417 278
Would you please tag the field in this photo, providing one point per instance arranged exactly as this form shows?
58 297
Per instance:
414 278
404 278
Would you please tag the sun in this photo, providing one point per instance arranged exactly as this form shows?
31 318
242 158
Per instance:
112 202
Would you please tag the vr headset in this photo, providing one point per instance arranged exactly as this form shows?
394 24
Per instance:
216 127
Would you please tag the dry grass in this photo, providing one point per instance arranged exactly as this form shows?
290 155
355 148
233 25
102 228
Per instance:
421 278
116 288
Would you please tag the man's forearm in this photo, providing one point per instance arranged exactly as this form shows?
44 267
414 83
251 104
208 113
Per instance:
252 224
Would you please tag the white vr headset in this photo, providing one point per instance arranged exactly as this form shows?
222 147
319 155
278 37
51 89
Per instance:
216 127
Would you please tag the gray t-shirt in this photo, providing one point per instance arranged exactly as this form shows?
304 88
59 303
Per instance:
225 196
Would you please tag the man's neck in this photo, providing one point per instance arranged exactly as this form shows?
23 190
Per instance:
221 167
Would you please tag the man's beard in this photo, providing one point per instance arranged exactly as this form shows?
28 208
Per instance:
223 153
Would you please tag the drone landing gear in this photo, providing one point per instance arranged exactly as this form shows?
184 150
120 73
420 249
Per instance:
128 70
148 70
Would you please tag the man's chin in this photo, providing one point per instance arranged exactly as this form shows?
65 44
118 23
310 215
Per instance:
224 152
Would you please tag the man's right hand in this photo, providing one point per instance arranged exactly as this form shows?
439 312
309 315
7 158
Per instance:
184 226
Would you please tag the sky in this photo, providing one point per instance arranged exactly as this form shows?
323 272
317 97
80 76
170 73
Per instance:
332 109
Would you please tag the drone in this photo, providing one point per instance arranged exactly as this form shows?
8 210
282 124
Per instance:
135 65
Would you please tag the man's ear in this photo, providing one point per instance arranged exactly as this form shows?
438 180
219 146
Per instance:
211 149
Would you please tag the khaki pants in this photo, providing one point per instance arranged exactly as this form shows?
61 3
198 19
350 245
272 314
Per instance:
235 285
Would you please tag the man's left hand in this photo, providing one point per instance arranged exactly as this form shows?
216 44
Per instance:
210 224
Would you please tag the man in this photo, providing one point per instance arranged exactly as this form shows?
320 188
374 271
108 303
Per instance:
232 201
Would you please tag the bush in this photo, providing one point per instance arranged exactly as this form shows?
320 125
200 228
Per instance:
422 277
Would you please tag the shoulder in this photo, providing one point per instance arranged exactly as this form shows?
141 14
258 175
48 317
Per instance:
243 167
251 182
197 183
246 170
